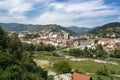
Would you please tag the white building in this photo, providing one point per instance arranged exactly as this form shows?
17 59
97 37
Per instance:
66 76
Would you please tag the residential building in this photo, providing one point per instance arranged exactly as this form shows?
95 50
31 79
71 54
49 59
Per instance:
78 76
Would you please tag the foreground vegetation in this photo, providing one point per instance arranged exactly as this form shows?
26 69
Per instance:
15 64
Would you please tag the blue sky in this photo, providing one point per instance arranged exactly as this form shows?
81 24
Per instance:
82 13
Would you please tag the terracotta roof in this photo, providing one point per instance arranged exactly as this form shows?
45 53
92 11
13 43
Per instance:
77 76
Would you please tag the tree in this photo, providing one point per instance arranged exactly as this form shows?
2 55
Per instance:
62 67
16 65
75 52
117 53
50 78
102 54
104 71
50 47
86 52
99 78
40 47
99 47
6 59
43 47
3 39
15 46
28 47
95 41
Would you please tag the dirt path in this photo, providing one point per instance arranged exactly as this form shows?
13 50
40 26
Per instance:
95 60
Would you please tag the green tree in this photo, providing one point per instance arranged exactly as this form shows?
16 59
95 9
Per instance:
99 47
28 47
43 47
15 46
102 54
50 78
117 53
95 41
86 52
99 78
104 71
76 52
16 65
3 39
62 67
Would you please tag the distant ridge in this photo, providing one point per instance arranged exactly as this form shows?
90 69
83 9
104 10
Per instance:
79 30
107 29
30 27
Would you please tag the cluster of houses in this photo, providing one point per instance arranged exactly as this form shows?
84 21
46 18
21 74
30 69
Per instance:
110 43
107 43
54 38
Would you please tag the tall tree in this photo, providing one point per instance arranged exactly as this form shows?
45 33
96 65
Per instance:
15 46
3 38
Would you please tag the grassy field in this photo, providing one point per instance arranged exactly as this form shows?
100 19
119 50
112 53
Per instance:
87 66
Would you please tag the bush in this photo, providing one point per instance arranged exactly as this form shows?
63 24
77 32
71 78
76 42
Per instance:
62 67
50 78
104 71
75 52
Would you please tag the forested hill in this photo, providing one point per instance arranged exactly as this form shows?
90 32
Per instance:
30 27
107 29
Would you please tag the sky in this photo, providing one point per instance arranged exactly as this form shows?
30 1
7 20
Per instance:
82 13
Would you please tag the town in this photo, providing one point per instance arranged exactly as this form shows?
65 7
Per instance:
64 39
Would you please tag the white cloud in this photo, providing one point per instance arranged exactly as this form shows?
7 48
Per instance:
14 9
119 17
71 12
85 12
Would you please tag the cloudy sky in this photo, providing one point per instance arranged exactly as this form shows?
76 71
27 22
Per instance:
82 13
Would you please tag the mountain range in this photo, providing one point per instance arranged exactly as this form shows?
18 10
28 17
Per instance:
109 28
73 30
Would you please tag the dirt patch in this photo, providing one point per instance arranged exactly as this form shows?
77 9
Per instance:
95 60
41 63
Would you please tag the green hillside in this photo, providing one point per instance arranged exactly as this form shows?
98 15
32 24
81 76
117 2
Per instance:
29 27
107 30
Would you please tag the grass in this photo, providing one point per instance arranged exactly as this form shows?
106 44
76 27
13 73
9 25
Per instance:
84 66
95 77
92 67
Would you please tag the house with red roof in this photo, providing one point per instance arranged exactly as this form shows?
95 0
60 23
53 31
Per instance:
78 76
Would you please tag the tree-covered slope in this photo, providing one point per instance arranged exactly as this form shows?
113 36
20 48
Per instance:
107 29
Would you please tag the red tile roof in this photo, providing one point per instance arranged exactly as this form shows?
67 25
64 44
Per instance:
77 76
